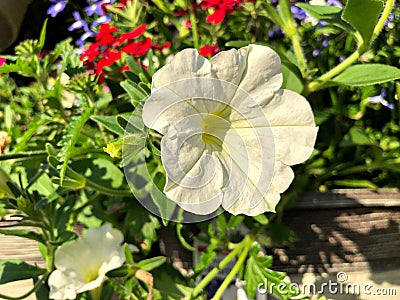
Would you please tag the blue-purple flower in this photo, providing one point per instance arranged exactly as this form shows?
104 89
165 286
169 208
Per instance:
57 7
381 99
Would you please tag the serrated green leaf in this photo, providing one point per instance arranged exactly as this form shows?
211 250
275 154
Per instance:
363 16
169 284
71 135
257 272
367 74
16 269
109 122
135 92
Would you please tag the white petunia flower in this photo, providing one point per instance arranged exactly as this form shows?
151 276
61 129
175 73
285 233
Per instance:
230 132
81 265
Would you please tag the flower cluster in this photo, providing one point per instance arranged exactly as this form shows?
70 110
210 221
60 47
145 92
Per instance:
220 9
110 44
96 10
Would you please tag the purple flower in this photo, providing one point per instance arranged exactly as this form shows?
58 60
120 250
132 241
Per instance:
57 7
316 52
325 43
298 13
102 20
334 3
79 22
81 41
381 99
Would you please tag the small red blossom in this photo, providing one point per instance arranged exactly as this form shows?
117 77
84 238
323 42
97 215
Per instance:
161 47
209 50
2 61
139 48
125 68
221 9
110 45
138 31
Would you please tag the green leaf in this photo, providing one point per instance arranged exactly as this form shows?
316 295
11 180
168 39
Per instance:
165 205
363 16
257 272
151 263
291 80
329 14
4 189
320 12
356 183
16 269
25 234
262 219
135 92
42 37
367 74
109 122
356 137
99 172
169 284
71 135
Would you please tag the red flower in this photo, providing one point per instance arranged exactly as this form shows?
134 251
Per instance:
133 34
2 61
110 45
221 8
125 68
104 36
137 48
162 46
109 57
209 50
216 17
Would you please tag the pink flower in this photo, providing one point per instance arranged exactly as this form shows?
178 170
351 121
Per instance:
2 61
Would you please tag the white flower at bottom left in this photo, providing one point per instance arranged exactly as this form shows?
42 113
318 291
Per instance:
81 265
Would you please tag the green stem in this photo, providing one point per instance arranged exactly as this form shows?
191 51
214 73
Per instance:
290 28
184 243
319 83
96 293
23 155
193 23
233 272
210 276
385 14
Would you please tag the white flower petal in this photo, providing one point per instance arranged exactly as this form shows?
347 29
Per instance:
288 108
194 175
61 286
230 65
263 76
82 264
293 144
186 64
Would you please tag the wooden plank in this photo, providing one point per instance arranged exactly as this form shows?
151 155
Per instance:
349 198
